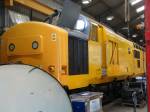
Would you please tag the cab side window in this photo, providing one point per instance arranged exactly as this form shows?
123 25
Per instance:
94 32
137 56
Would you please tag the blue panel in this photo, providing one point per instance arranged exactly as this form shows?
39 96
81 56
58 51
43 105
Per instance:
78 106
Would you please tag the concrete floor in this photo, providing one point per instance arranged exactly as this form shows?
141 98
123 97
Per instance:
117 107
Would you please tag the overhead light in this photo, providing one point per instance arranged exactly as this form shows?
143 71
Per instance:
134 2
125 28
109 18
86 1
142 16
140 9
141 40
134 35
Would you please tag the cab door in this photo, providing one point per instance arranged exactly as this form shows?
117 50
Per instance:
95 51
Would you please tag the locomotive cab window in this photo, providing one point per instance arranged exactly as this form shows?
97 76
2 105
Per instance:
94 32
129 51
137 57
136 54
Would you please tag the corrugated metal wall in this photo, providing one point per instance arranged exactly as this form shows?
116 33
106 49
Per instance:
33 15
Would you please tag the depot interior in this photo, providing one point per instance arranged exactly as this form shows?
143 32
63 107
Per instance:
91 51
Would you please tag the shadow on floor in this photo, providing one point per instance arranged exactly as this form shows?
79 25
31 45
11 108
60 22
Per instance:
118 107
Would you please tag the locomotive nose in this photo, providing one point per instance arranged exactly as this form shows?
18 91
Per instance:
29 46
22 50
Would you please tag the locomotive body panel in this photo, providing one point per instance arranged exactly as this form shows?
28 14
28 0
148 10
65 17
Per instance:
74 62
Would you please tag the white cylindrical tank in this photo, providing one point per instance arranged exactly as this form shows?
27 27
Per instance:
24 88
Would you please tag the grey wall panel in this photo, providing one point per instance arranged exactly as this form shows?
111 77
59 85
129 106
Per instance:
17 8
34 15
38 16
8 22
21 9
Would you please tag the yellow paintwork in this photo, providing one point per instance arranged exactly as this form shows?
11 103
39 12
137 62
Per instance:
117 53
52 54
8 2
24 41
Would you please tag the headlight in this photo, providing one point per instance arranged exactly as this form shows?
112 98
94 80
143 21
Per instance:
11 47
35 44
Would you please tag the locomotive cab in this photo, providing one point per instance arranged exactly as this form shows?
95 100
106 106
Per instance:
69 55
40 46
89 54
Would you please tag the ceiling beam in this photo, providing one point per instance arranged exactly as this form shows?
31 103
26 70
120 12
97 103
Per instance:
91 5
77 1
121 24
112 9
33 4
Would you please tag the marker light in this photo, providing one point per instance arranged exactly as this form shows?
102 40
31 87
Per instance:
35 44
11 47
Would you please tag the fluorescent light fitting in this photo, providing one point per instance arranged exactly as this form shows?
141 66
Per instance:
86 1
134 35
109 18
142 16
134 2
140 9
125 28
141 40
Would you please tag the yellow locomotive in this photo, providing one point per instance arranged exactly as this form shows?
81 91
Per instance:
90 54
